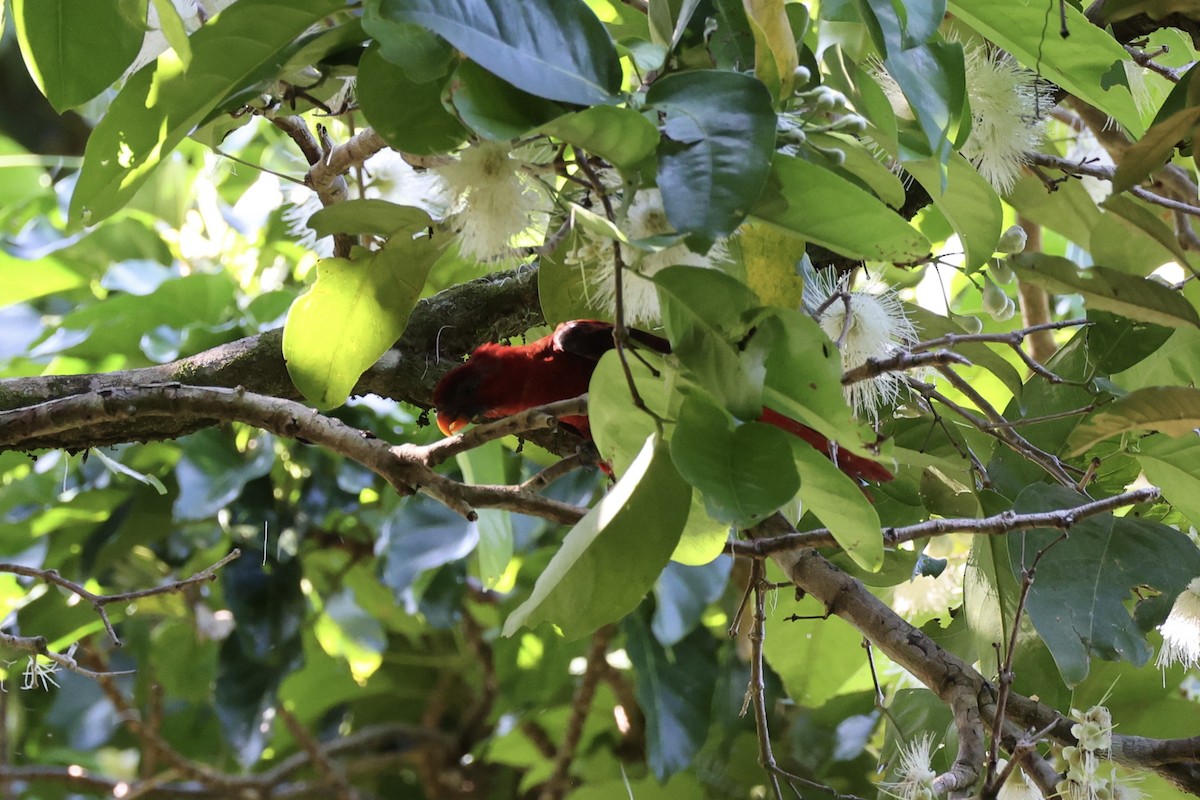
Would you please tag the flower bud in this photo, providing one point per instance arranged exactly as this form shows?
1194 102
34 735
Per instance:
1012 240
996 302
801 76
1001 272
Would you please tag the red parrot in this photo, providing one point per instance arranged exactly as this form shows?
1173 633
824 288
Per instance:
499 380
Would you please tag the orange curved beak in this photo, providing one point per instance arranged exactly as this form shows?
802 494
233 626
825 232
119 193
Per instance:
449 424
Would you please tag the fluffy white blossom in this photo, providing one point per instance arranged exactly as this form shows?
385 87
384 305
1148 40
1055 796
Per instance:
1008 112
1008 115
916 773
1181 631
877 328
646 218
492 198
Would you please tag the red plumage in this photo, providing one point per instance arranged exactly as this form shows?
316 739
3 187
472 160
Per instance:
499 380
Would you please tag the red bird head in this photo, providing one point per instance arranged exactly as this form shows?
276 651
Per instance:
463 393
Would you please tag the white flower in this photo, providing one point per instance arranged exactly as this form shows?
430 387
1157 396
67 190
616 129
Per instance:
492 198
1008 112
915 772
390 177
646 218
878 328
303 203
1181 631
1094 729
1008 115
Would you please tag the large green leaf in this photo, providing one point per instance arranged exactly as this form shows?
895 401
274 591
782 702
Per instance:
75 49
355 311
22 280
840 505
423 55
718 139
703 315
621 136
775 57
611 558
828 210
1173 410
1108 290
1173 465
813 655
420 124
1089 63
1077 601
496 109
969 204
1154 149
745 472
555 49
675 691
161 104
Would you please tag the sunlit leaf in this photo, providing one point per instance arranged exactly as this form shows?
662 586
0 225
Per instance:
1173 410
611 558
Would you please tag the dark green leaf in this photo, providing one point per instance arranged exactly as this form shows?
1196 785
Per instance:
212 472
75 49
828 210
682 593
555 49
1077 601
1173 410
407 114
675 691
424 56
422 535
494 108
718 139
1118 343
269 609
745 472
611 558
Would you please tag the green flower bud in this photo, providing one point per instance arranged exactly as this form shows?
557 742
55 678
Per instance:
1012 240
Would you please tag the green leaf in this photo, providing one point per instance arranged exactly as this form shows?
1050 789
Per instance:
1108 290
1069 210
75 49
745 472
423 55
1173 465
718 140
675 691
420 124
934 84
212 472
621 136
555 49
969 203
828 210
840 505
485 465
1154 149
358 217
812 655
681 595
702 313
161 104
353 313
421 535
1133 238
1117 343
1172 410
496 109
612 556
1077 600
22 280
174 30
1088 64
